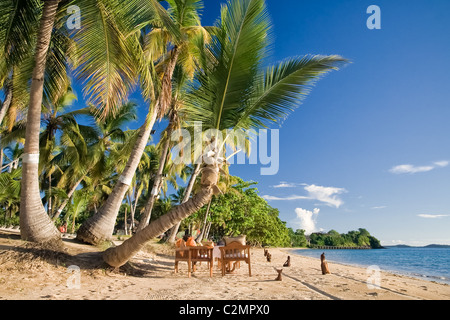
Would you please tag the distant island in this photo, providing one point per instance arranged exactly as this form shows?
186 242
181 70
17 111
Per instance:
427 246
360 238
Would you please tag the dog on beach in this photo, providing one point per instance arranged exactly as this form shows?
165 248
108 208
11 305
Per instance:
288 262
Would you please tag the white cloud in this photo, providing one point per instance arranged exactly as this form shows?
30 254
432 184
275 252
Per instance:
409 168
432 216
327 195
378 207
443 163
307 219
284 184
292 197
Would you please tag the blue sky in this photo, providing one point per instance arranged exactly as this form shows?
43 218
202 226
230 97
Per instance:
369 148
388 108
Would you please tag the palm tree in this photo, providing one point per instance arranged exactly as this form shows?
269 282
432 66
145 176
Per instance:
85 149
180 81
54 120
187 23
35 224
234 92
19 21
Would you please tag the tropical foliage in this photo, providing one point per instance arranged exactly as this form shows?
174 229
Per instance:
241 211
359 238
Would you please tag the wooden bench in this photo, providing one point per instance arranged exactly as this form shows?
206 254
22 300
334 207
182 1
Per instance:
192 255
234 252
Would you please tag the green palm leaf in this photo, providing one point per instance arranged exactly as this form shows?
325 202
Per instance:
106 62
283 87
233 91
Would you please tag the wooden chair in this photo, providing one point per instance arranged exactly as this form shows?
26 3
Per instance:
234 252
192 255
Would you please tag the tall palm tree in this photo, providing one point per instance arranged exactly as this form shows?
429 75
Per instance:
35 224
167 46
234 92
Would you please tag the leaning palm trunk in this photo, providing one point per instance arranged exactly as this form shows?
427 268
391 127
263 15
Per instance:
100 226
69 195
157 184
118 256
35 224
187 195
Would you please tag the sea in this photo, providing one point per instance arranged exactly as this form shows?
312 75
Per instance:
432 264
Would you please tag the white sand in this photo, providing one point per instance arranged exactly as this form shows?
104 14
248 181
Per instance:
152 276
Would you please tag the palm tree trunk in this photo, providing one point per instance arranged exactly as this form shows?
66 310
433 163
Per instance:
35 224
118 256
69 195
1 159
202 234
100 226
125 222
6 103
157 184
133 212
207 230
187 195
49 202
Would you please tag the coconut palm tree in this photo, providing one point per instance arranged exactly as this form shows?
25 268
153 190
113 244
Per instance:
35 224
166 46
234 92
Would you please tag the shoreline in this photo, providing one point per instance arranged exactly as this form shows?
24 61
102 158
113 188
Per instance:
151 276
416 275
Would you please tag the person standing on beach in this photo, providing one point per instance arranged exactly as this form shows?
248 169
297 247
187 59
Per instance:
324 264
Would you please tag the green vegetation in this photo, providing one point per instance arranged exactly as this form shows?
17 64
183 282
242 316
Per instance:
242 211
360 238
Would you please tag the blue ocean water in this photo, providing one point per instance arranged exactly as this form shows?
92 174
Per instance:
431 264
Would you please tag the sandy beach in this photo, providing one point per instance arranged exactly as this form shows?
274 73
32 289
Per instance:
26 272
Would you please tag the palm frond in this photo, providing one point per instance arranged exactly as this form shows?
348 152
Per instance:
106 56
237 47
283 87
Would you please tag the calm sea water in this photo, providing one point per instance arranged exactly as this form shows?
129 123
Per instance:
432 264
